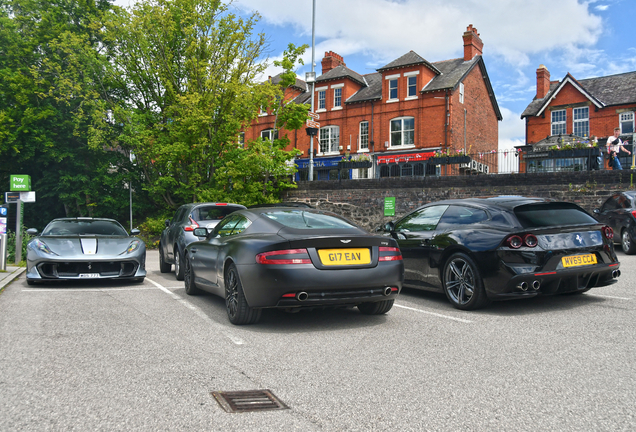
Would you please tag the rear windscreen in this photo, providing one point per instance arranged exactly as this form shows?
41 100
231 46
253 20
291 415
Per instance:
552 214
212 213
307 220
83 227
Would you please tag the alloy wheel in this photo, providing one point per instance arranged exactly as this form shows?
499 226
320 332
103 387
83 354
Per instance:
460 281
231 293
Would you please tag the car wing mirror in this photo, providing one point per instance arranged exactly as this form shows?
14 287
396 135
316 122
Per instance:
135 231
167 223
596 211
200 232
32 231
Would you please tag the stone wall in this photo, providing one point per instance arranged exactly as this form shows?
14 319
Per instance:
363 200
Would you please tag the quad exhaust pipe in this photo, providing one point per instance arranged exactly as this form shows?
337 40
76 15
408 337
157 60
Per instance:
616 273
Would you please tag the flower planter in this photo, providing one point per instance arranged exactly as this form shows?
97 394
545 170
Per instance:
354 164
450 160
572 153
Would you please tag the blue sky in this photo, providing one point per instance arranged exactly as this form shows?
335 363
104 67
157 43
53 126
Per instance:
585 38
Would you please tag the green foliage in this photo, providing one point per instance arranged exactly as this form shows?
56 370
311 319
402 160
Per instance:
11 244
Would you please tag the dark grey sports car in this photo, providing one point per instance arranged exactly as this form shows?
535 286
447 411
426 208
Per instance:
85 248
293 258
478 250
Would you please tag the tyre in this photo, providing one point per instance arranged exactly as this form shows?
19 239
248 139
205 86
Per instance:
164 267
238 311
462 283
626 242
178 264
188 277
376 308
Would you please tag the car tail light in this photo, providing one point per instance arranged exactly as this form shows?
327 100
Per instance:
396 255
192 226
608 232
634 213
516 241
302 257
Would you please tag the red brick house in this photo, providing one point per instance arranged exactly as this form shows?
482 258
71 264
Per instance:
573 109
398 116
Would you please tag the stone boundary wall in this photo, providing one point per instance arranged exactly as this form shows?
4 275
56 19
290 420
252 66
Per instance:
362 201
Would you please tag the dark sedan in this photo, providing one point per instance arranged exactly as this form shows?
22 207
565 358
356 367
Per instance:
293 258
478 250
85 248
619 212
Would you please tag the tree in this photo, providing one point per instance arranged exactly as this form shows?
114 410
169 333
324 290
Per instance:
51 75
188 69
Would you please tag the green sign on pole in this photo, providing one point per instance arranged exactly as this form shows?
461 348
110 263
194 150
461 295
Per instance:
389 206
20 183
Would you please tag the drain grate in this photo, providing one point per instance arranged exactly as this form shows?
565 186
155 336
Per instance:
248 400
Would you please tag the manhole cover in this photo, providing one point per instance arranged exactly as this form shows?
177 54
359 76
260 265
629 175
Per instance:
248 400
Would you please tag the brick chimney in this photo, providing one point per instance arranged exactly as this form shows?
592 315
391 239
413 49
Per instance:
472 43
331 60
543 82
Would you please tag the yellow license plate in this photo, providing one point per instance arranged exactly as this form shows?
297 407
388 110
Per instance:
352 256
578 260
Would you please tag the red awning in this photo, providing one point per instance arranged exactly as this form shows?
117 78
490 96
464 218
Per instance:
408 157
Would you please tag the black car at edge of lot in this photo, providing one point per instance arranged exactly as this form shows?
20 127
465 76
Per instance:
619 212
481 249
179 231
293 258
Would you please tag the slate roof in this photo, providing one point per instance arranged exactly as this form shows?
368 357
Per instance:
411 58
299 84
610 90
340 72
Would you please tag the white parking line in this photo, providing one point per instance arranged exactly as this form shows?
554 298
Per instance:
198 312
611 297
434 314
83 289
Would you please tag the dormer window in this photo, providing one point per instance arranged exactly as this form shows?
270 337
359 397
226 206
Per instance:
412 86
337 96
393 89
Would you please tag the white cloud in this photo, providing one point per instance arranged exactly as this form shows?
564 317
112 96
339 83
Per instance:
601 7
511 129
512 29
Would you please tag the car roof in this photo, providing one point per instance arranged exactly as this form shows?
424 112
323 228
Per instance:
504 202
84 219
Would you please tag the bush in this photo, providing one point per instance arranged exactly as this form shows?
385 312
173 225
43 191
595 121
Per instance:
151 230
11 246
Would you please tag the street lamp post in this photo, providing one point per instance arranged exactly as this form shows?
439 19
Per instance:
313 75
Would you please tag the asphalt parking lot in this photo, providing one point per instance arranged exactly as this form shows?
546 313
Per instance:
114 356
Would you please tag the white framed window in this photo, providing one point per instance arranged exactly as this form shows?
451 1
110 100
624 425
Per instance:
403 131
461 93
322 99
337 97
393 89
411 83
581 125
626 120
269 134
329 138
364 136
558 122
